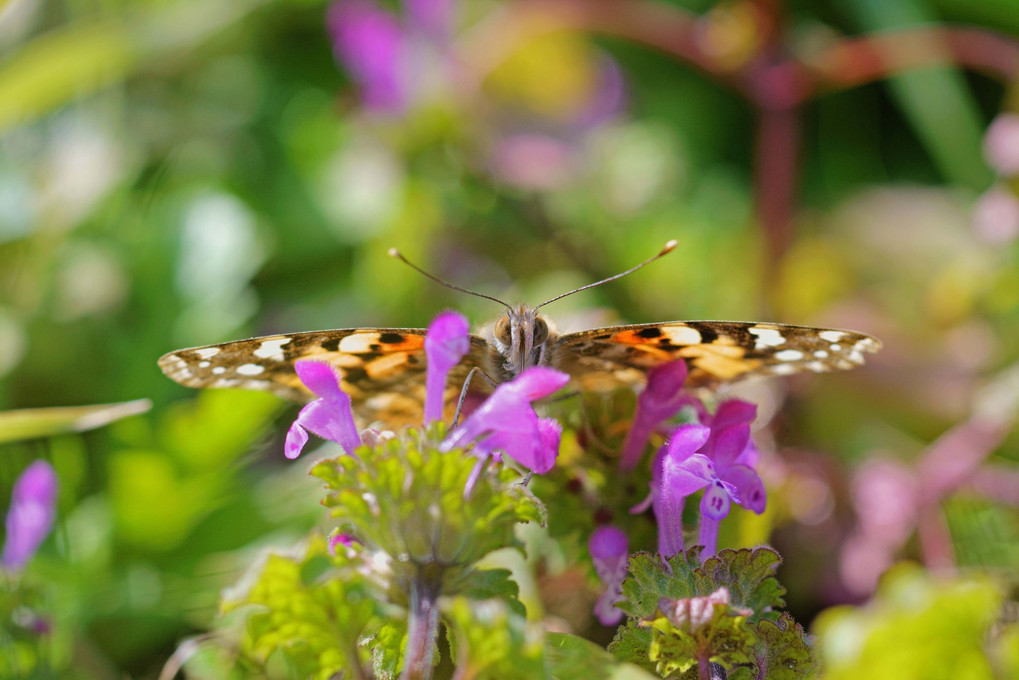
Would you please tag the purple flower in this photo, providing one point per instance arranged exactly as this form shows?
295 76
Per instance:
661 399
609 549
678 473
369 42
446 343
33 508
329 416
734 454
506 421
719 457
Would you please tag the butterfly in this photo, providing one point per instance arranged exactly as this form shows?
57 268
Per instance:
383 369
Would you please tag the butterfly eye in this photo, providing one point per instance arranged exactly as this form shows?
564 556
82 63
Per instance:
503 332
540 331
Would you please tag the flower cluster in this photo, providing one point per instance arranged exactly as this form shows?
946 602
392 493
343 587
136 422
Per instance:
715 454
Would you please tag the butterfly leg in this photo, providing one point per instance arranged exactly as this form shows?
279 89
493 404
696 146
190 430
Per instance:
463 392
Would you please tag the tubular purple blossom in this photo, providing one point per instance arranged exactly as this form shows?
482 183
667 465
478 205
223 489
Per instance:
506 421
661 399
446 343
30 518
671 485
329 416
609 550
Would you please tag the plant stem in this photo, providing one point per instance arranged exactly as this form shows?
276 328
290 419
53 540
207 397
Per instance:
422 630
703 666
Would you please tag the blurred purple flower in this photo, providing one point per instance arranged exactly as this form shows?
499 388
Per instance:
1001 144
609 550
31 515
661 399
370 43
329 416
506 421
996 215
446 343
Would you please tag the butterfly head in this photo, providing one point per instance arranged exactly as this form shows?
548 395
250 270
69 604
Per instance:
521 335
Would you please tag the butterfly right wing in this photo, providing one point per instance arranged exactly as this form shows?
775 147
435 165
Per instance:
383 369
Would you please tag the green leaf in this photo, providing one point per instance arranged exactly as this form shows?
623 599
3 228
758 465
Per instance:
406 498
781 651
33 423
648 580
386 649
748 575
316 622
571 656
492 642
917 626
631 644
484 584
726 639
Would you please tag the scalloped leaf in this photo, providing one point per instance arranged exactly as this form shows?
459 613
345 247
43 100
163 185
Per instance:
748 575
781 651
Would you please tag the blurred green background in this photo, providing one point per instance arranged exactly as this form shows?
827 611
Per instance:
184 172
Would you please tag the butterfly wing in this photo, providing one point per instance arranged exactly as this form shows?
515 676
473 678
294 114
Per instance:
383 369
715 351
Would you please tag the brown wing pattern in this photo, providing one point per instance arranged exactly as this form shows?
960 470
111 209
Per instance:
383 369
715 351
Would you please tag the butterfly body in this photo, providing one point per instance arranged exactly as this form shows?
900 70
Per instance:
383 369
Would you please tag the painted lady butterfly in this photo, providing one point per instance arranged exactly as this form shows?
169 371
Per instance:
383 369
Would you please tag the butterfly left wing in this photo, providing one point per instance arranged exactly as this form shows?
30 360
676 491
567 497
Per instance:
715 351
383 369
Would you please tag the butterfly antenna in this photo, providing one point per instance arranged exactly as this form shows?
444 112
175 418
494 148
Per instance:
393 252
664 251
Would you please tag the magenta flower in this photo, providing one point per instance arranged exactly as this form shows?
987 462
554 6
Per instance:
661 399
329 416
734 454
30 518
719 457
507 422
370 43
609 550
446 343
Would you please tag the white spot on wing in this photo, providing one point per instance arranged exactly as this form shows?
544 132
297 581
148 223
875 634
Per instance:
682 335
358 342
271 349
767 337
821 354
250 369
204 364
783 369
207 352
832 336
218 370
789 355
